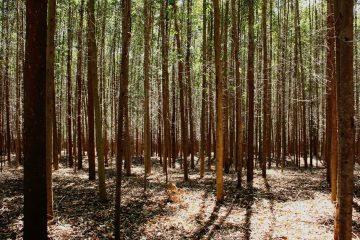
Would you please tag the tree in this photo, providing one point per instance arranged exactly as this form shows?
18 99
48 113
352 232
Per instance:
50 58
203 95
69 89
184 130
92 53
35 196
219 104
188 81
79 80
147 136
91 75
123 101
331 117
344 11
266 93
165 83
239 141
250 79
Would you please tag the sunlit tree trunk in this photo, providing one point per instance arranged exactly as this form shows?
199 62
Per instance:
184 129
219 104
344 11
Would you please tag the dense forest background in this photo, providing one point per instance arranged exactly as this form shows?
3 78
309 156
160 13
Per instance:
182 90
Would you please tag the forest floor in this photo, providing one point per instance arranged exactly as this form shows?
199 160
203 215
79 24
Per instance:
293 204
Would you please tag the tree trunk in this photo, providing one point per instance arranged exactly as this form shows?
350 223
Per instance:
123 101
50 58
219 104
266 93
165 84
91 80
92 53
79 80
184 129
35 197
250 79
147 48
188 82
203 95
331 115
69 89
344 11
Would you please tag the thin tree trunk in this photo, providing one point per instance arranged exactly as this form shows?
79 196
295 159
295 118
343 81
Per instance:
203 95
91 80
79 80
50 59
184 130
69 89
219 104
147 136
250 79
123 101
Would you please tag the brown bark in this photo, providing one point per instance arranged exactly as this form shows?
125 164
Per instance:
79 79
50 59
184 129
203 95
239 137
91 80
147 136
35 198
331 115
188 82
165 84
69 89
219 104
250 79
266 94
344 11
123 101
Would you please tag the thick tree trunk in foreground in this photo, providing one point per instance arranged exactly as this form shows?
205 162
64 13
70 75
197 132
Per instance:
35 198
344 10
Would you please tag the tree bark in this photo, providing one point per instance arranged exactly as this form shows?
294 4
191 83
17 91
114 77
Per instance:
344 11
123 101
250 79
35 197
219 104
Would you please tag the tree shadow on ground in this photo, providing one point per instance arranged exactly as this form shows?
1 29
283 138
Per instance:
11 206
